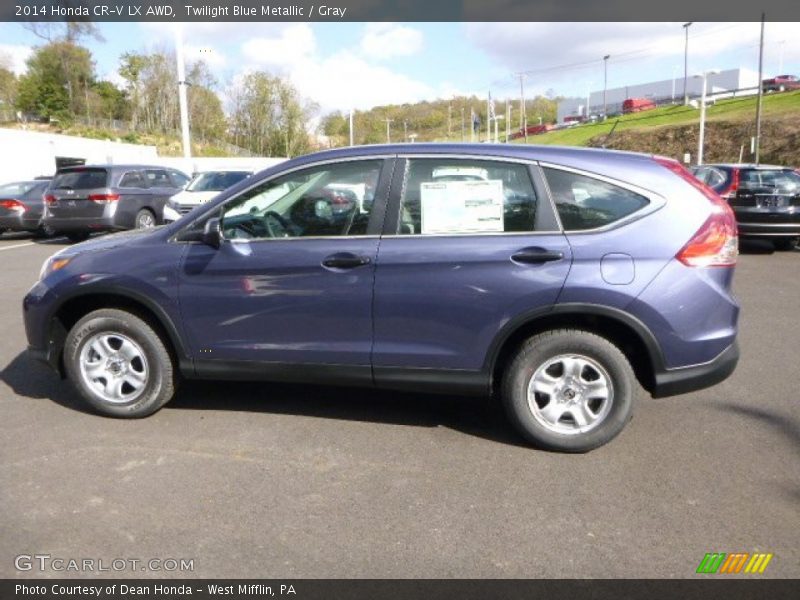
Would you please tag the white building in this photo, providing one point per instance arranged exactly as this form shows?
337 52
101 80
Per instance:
29 154
724 84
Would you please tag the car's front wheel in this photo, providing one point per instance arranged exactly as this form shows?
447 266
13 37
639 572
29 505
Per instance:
78 236
119 364
569 390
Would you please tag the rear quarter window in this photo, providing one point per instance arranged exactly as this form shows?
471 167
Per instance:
584 202
82 179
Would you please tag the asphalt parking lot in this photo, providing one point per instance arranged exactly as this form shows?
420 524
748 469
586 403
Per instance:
278 481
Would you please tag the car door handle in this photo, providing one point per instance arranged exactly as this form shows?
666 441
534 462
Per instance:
345 260
536 255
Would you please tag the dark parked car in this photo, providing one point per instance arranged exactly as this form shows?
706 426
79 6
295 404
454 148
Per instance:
81 200
765 198
21 207
615 274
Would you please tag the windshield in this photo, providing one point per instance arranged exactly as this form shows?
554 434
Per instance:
215 181
778 180
80 179
16 189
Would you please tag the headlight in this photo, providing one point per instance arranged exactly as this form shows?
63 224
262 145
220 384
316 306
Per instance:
53 264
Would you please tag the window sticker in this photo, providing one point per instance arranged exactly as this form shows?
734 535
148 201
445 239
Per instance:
462 206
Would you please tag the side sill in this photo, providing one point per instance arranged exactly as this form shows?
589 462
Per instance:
433 381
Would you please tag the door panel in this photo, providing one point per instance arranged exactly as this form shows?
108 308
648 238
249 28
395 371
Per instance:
275 301
293 281
440 299
439 302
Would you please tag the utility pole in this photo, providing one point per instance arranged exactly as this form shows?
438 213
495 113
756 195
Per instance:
523 124
760 89
182 102
605 84
449 120
508 120
702 136
462 123
686 64
351 127
405 131
388 133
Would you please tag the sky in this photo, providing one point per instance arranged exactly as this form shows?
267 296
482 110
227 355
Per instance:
360 65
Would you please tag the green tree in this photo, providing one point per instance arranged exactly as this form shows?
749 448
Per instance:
8 86
268 116
57 82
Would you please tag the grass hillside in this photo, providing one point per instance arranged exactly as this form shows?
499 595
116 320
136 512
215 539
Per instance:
673 130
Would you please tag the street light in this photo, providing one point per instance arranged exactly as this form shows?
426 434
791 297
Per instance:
686 64
605 83
701 140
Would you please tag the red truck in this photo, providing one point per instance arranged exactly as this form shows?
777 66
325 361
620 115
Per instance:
632 105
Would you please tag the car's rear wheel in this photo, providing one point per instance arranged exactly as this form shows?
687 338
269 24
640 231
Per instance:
145 219
569 390
119 364
786 243
78 236
44 231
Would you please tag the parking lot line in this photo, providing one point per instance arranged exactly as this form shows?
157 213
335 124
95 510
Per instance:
28 244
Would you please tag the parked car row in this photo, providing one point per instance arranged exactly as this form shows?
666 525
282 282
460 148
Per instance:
81 200
764 198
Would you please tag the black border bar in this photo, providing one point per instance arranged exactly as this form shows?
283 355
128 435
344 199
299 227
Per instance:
397 10
713 586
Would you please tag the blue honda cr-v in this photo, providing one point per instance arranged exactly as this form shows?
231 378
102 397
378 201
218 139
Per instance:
559 279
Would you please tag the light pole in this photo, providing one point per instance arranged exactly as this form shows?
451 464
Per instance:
701 140
351 127
182 101
686 64
605 83
388 134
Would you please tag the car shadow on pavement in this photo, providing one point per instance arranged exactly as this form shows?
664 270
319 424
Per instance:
475 416
747 246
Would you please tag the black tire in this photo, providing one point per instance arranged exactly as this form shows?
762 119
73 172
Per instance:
77 236
545 347
161 380
44 232
785 244
145 219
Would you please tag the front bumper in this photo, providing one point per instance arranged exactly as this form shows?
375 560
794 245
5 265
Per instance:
671 382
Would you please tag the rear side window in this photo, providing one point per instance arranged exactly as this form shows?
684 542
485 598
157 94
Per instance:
588 203
158 178
82 179
444 196
133 179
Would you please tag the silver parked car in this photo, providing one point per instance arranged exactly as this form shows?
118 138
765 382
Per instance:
84 199
21 207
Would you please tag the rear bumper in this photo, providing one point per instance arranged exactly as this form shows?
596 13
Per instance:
671 382
769 224
64 224
19 223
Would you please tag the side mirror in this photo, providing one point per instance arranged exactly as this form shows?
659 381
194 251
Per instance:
212 234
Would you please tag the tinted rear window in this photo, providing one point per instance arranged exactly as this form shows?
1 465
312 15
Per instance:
83 179
777 180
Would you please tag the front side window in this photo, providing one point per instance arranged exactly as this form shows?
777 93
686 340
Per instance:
463 196
587 203
327 200
179 178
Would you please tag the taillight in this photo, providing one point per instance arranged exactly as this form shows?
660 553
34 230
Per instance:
14 205
103 198
49 199
716 243
731 190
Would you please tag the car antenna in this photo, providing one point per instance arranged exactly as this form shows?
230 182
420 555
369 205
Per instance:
610 133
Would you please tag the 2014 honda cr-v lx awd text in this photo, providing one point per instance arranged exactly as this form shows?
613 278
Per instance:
559 280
